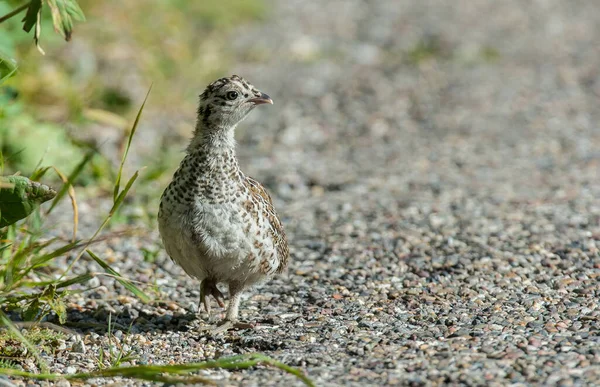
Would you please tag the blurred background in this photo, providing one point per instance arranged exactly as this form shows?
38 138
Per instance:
85 93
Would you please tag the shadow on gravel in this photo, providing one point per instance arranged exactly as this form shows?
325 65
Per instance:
127 321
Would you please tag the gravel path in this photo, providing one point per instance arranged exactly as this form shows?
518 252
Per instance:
437 167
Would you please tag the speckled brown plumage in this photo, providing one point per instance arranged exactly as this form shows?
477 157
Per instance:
215 222
260 195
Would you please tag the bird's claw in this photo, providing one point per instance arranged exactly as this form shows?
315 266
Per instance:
227 325
207 289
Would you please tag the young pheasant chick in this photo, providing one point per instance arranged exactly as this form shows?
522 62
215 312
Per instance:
218 224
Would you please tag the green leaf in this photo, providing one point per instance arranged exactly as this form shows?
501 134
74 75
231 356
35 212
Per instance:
38 33
63 13
8 67
34 310
19 196
126 283
31 17
74 10
59 307
37 309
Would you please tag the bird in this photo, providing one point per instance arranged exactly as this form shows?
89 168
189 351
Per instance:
215 222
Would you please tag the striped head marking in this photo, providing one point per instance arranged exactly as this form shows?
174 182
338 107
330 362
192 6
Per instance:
227 101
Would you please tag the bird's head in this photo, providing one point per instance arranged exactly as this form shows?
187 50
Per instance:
227 101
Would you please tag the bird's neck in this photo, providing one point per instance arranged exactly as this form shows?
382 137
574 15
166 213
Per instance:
208 172
213 150
212 139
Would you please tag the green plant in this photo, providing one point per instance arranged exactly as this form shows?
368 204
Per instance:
17 126
150 255
44 339
24 253
63 12
8 67
33 350
115 355
19 196
4 363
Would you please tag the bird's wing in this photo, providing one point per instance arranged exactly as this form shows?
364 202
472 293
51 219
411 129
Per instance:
279 238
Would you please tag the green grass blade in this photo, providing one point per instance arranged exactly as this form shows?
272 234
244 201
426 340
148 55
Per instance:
38 173
41 260
171 373
9 237
15 271
80 279
6 246
113 210
123 194
123 281
126 152
119 196
71 179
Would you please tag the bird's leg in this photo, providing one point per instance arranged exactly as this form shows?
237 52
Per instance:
209 288
235 296
231 318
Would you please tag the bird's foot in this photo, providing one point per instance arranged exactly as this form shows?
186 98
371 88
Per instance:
209 288
227 325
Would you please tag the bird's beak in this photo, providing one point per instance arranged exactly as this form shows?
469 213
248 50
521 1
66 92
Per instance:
261 100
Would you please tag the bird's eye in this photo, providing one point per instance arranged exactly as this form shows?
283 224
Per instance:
231 95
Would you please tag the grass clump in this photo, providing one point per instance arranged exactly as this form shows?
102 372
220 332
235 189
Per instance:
115 355
430 47
25 254
12 346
